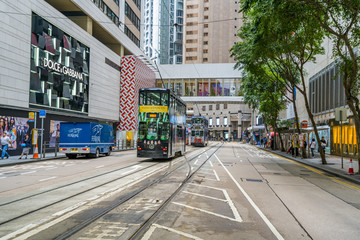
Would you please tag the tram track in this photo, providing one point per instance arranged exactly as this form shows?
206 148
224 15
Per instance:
47 206
86 222
142 229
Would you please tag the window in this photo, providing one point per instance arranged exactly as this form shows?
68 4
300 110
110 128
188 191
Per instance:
205 59
210 121
225 121
203 108
225 105
206 17
205 51
206 34
217 121
206 25
153 98
206 42
210 107
132 16
217 106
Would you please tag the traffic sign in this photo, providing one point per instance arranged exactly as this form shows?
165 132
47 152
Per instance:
42 114
31 116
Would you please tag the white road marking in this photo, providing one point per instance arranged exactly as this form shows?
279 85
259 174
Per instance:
28 173
69 165
51 168
100 166
205 211
45 179
7 172
217 177
134 168
257 209
148 234
205 196
228 200
211 164
2 177
196 161
55 218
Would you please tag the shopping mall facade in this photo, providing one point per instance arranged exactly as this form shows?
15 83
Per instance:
212 91
71 60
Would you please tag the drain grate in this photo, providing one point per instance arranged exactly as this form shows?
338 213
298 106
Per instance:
253 180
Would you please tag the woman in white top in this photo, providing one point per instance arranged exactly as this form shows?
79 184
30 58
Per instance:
312 146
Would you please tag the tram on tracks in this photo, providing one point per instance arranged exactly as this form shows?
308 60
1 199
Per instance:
162 124
199 131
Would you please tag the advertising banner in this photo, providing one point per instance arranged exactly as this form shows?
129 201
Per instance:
16 128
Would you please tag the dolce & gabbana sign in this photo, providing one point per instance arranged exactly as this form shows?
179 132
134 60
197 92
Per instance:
62 69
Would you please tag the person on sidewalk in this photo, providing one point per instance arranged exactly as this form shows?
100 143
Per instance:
312 147
26 144
5 141
323 143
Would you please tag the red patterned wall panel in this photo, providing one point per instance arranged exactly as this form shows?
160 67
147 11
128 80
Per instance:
134 75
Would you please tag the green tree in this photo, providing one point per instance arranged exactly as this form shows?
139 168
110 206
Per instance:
340 20
278 36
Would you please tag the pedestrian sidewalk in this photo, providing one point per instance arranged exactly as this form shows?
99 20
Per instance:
14 160
333 165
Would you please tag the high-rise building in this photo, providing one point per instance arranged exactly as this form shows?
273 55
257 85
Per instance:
210 30
162 21
132 24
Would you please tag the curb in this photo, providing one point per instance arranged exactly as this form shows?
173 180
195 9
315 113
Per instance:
336 173
32 160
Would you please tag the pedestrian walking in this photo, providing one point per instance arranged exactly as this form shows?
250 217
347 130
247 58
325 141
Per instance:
312 147
26 145
5 141
265 142
323 143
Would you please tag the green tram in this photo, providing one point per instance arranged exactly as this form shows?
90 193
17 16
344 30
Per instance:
162 124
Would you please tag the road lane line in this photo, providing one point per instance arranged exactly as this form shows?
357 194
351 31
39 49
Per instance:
195 163
211 164
205 196
60 216
100 166
45 179
28 173
51 168
205 211
257 209
148 234
217 177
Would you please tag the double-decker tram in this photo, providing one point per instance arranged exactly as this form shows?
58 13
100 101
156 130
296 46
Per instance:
162 123
199 131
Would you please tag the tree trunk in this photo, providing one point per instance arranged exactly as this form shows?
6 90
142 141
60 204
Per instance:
297 125
356 114
281 141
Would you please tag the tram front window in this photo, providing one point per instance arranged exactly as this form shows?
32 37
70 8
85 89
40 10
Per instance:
142 130
201 133
152 131
198 121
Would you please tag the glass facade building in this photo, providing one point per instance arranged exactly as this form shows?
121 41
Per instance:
59 68
204 87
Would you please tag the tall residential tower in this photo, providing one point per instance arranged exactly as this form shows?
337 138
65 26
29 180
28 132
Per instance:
210 30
